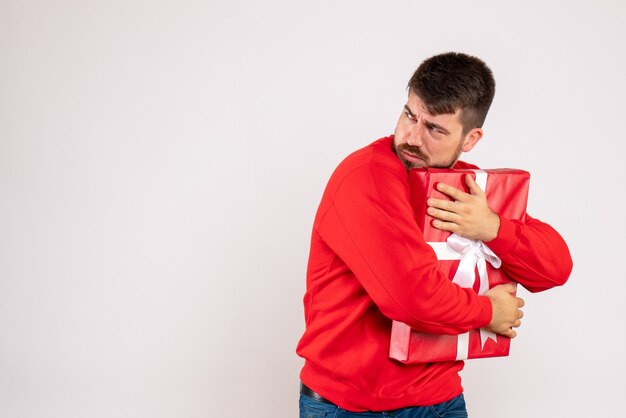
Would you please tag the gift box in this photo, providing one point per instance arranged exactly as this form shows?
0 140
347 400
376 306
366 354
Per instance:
469 263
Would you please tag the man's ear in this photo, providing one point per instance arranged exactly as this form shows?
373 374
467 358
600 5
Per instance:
471 139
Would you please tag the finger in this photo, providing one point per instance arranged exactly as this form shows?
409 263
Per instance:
451 191
520 303
443 215
445 226
441 204
473 186
516 323
510 333
520 314
510 288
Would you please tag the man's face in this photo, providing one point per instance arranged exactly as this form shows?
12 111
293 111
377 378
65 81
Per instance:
425 140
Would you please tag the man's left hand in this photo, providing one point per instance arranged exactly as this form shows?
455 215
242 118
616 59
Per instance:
467 215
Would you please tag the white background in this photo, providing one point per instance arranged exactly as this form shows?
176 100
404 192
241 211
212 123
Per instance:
161 163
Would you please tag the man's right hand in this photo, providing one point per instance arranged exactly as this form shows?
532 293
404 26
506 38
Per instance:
506 310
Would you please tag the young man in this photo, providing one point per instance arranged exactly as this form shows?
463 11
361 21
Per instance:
369 263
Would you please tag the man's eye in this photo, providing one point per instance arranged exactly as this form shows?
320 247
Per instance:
410 116
434 129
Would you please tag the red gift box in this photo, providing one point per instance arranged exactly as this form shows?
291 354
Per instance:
507 193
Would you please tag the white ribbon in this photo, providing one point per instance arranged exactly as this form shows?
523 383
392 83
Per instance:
473 254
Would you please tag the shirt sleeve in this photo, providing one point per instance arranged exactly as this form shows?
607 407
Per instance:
369 224
532 253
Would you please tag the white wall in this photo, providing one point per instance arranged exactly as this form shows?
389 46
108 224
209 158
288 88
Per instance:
161 163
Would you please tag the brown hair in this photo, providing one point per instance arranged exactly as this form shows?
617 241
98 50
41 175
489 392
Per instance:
451 81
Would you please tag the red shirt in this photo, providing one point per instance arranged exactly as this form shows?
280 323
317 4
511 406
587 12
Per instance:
369 265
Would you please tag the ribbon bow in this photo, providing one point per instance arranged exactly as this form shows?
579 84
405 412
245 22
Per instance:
474 253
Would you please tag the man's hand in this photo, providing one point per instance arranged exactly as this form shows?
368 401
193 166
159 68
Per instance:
506 310
468 215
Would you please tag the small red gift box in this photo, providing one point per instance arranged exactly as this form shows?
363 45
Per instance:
459 259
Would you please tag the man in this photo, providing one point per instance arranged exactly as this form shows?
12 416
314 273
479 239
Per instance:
369 263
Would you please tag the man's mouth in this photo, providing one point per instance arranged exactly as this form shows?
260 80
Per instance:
413 157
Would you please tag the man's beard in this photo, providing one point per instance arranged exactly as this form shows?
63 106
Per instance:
416 151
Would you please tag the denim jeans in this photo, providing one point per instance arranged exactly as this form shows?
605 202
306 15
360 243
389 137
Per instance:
454 408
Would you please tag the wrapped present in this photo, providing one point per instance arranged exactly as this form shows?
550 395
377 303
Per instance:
469 263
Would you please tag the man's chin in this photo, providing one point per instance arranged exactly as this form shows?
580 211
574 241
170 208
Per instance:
409 165
418 163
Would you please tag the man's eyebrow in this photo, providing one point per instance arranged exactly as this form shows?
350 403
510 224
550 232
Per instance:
408 110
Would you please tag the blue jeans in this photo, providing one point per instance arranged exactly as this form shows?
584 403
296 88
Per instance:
454 408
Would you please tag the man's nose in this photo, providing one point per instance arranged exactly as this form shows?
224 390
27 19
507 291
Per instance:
415 135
